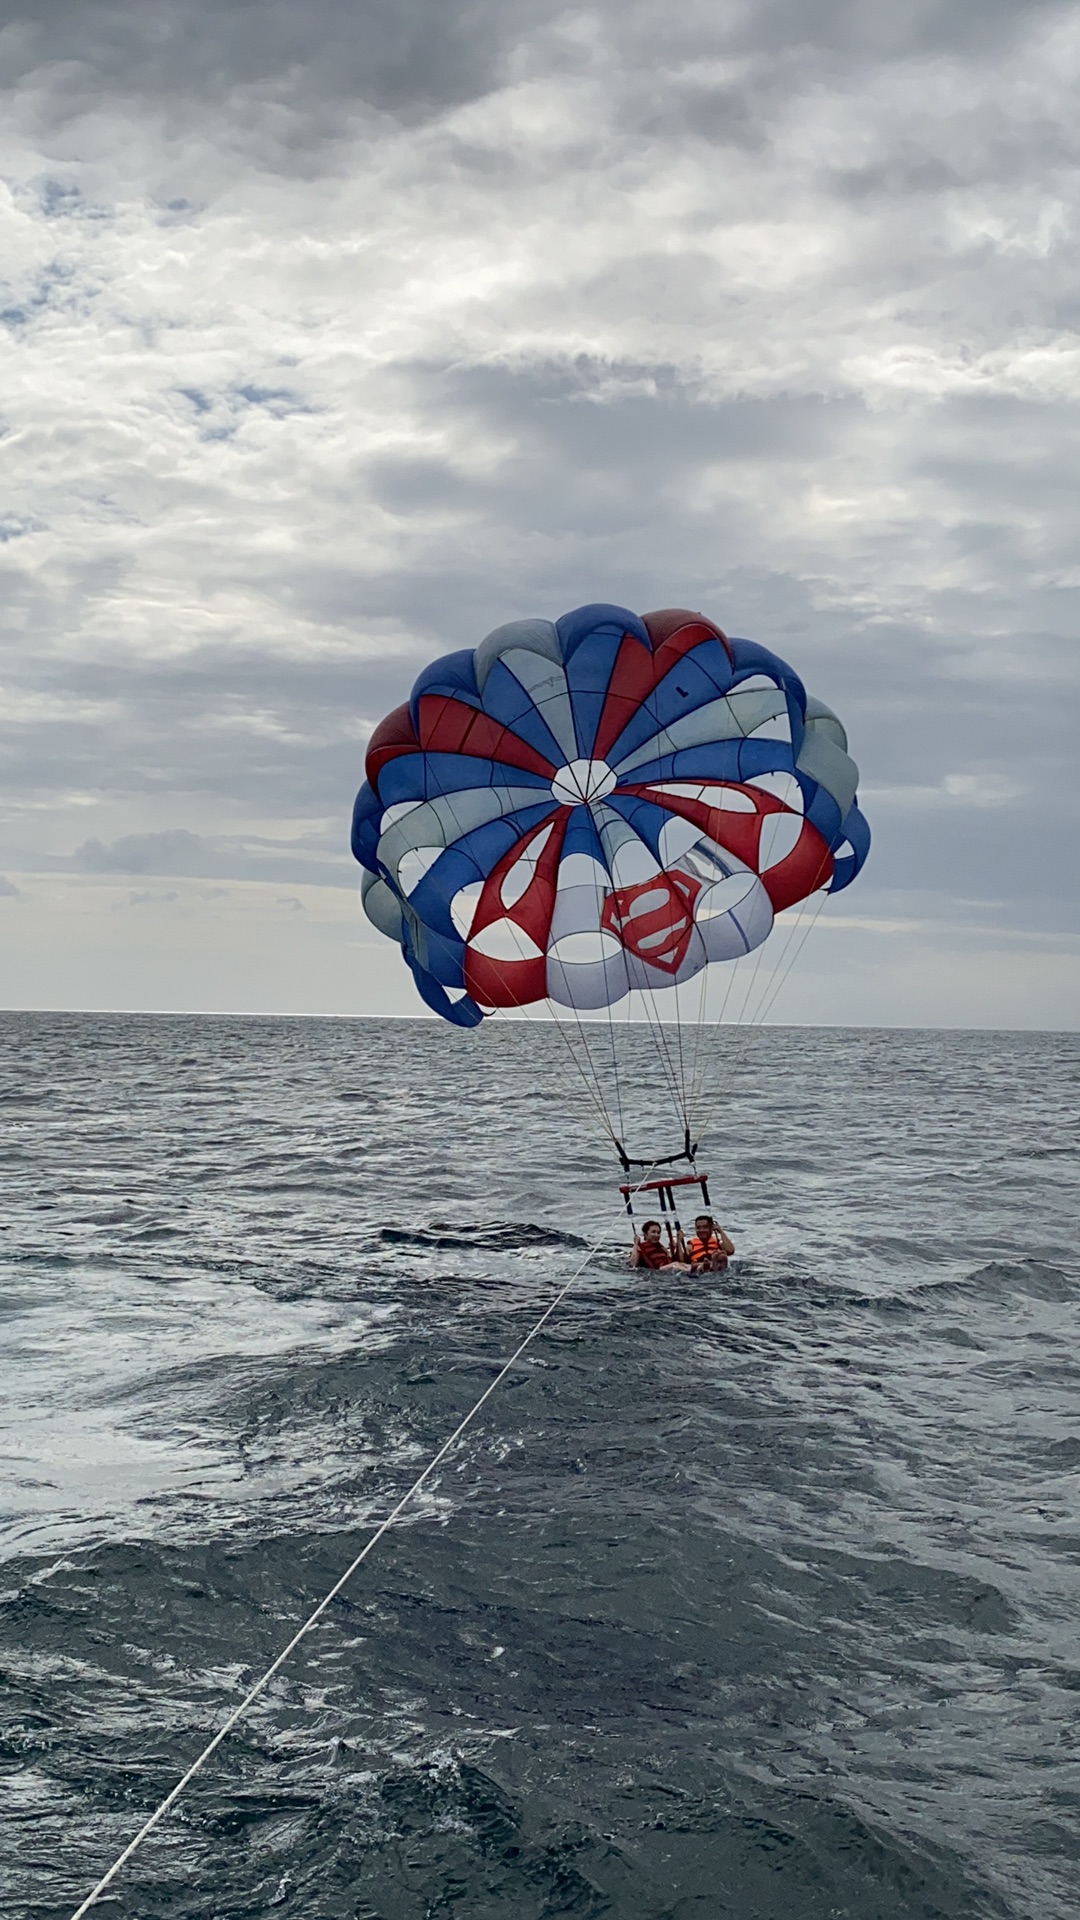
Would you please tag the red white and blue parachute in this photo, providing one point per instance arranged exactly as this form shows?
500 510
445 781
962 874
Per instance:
581 809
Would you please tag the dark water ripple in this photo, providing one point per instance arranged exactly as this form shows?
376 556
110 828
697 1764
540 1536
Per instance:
755 1599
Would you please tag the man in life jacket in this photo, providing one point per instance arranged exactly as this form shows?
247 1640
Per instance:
708 1247
649 1250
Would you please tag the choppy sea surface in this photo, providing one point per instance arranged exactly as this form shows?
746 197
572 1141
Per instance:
753 1596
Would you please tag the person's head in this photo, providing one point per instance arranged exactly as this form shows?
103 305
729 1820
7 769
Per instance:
704 1225
651 1230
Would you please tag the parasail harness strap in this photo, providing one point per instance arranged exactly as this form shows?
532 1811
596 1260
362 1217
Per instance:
664 1187
689 1152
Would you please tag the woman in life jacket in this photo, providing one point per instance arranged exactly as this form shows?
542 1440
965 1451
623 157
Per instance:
708 1248
649 1250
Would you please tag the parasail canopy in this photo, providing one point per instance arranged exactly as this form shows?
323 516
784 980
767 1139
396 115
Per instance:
602 805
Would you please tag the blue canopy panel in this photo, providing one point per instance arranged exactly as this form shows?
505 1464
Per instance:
507 701
751 659
647 819
453 676
582 837
734 760
589 640
600 617
700 677
821 810
468 860
856 833
588 678
364 839
442 958
462 1012
424 776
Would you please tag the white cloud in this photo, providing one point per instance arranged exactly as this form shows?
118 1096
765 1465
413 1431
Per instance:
306 378
956 789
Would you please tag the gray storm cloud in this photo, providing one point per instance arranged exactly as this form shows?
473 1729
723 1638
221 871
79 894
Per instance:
334 337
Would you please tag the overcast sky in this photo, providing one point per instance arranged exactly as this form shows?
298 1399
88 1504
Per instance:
336 334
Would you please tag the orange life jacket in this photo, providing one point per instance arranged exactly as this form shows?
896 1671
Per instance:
701 1249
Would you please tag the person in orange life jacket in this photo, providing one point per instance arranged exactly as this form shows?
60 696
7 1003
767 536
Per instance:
708 1247
649 1251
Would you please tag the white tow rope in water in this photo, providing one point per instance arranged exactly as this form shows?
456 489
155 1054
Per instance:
261 1684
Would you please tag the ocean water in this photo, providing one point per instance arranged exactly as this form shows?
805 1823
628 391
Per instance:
755 1595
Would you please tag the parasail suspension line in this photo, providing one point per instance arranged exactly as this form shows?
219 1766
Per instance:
593 1087
795 939
655 1025
316 1614
782 973
798 933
